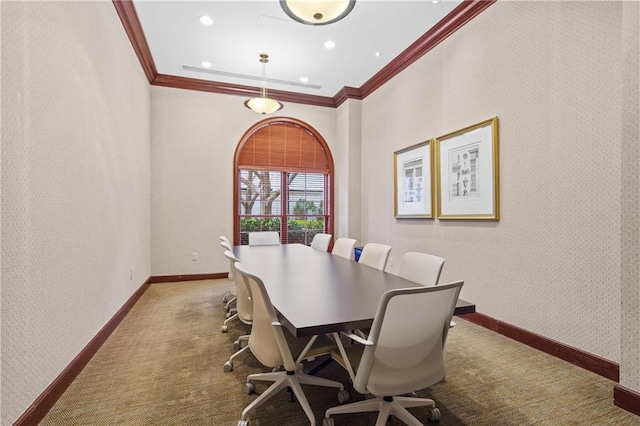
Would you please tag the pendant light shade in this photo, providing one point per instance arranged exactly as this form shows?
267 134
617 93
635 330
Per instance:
317 12
263 104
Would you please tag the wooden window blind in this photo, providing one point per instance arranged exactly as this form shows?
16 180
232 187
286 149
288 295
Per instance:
285 147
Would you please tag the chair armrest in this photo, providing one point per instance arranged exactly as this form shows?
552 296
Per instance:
357 338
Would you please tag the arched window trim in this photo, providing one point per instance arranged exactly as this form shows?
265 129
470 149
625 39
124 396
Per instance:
237 167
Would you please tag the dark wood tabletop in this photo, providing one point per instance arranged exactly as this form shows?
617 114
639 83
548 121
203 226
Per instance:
316 292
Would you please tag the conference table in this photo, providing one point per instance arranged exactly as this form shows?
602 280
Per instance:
316 292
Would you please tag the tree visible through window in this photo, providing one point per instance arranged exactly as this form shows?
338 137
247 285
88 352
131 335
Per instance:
298 213
283 182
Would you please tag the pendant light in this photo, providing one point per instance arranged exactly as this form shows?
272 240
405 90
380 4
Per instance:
263 104
317 12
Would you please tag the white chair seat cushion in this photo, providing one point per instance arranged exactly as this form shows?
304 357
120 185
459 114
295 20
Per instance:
323 345
246 317
388 379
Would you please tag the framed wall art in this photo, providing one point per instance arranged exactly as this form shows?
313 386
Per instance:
467 172
413 181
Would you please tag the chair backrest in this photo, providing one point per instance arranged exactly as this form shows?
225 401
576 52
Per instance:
244 305
375 255
265 238
226 246
343 247
321 242
408 333
266 341
421 268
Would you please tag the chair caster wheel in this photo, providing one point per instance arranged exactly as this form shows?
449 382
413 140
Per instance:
228 367
249 388
343 396
225 328
327 421
434 415
225 299
291 397
243 423
228 315
236 345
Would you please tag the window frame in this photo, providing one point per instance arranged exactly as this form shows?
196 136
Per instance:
329 177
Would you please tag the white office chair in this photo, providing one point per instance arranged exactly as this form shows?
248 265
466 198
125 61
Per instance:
403 353
343 247
244 308
232 313
265 238
375 255
321 242
226 245
274 346
421 268
229 298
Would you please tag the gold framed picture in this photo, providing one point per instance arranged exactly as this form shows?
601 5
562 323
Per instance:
413 181
467 172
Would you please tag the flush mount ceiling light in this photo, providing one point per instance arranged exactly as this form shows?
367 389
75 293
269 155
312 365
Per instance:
206 20
317 12
263 104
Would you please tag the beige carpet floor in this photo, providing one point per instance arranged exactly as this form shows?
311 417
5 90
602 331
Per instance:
163 366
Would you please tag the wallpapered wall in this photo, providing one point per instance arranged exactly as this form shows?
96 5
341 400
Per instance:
194 137
75 186
630 292
348 164
551 72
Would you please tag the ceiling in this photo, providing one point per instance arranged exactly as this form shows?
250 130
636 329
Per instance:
241 30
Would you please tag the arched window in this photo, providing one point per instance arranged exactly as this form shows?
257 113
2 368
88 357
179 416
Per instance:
283 181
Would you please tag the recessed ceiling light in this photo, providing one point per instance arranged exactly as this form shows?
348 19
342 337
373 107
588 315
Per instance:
304 79
206 20
206 64
330 44
435 1
377 53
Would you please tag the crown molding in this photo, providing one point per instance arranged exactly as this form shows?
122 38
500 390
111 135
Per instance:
458 17
239 90
129 18
346 93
